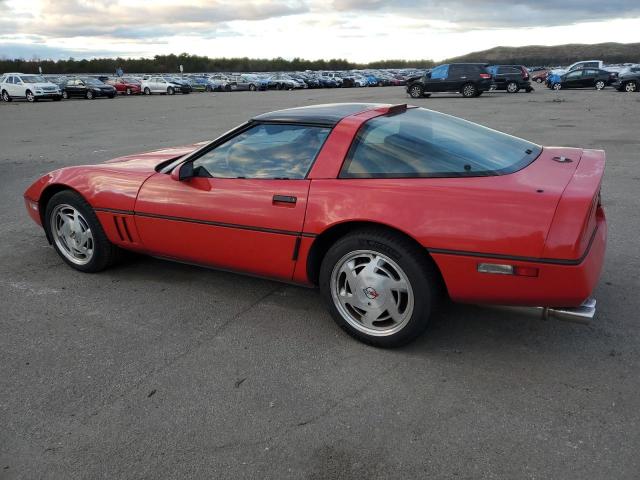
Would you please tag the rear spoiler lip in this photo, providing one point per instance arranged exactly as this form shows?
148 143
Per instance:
568 237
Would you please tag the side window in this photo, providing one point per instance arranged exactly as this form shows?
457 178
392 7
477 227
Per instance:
10 80
573 75
423 143
440 72
265 151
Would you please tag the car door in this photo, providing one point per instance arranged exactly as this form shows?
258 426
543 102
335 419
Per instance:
573 79
589 77
435 81
11 86
244 208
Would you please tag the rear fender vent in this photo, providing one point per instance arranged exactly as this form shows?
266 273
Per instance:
122 228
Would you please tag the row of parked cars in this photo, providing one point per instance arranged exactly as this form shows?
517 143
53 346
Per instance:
473 79
468 79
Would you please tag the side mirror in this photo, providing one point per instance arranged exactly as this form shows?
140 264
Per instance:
182 172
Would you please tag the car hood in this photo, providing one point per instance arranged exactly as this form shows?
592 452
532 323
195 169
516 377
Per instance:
44 85
148 161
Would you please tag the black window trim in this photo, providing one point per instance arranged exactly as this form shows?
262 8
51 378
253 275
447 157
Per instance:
516 167
240 129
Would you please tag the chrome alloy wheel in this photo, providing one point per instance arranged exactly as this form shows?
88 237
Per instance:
468 90
72 234
630 87
600 85
372 293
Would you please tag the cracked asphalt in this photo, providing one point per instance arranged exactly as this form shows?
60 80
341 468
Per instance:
158 370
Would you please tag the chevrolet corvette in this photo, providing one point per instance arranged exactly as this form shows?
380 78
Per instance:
386 208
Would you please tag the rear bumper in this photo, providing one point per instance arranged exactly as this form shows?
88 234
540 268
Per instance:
559 283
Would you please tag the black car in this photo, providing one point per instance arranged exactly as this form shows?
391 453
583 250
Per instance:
469 79
87 87
628 81
582 78
511 78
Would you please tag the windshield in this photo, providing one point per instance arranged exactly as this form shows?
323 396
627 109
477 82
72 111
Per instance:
33 79
92 81
424 143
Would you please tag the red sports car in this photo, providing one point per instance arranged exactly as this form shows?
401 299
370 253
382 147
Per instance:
126 86
385 208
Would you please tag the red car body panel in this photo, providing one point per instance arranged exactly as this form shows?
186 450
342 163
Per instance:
121 86
546 217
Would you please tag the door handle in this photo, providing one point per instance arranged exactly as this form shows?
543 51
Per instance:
284 199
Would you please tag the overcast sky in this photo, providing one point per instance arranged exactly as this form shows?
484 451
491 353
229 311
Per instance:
358 30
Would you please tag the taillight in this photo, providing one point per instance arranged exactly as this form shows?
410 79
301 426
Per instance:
485 75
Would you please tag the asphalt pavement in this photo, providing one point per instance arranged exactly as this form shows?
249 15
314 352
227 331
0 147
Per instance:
158 370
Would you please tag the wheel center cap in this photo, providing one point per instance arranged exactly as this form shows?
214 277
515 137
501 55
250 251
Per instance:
371 293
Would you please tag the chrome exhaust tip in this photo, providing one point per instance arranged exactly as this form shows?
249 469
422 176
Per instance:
582 314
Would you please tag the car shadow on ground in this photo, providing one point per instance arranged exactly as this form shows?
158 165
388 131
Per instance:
454 327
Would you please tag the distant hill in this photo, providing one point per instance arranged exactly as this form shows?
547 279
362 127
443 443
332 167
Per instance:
556 55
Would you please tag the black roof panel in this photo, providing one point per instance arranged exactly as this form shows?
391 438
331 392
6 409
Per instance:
327 114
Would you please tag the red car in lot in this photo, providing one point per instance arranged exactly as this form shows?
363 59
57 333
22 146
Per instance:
126 86
385 208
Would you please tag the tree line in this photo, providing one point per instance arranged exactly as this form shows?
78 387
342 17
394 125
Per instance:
195 63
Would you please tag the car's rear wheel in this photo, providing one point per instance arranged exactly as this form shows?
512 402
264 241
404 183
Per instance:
512 87
379 287
76 233
416 91
89 95
65 95
5 96
469 90
600 85
170 91
631 86
128 91
30 96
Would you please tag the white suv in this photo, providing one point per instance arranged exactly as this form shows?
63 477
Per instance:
31 87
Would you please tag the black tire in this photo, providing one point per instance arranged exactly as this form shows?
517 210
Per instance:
416 91
420 271
469 90
90 95
128 91
65 95
227 88
5 96
513 87
539 80
630 86
30 96
170 91
105 253
600 84
252 87
147 91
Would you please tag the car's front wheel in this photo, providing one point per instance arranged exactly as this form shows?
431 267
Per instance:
379 286
65 95
631 86
147 91
416 91
30 96
76 233
90 95
469 90
170 91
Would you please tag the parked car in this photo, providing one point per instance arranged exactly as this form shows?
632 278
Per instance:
248 82
511 78
126 86
405 206
540 76
87 87
158 84
184 82
628 81
30 87
281 81
469 79
582 78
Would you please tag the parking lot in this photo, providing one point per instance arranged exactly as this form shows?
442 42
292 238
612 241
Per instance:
162 370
